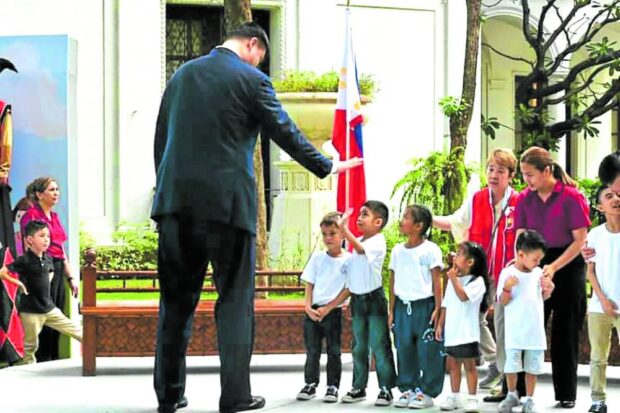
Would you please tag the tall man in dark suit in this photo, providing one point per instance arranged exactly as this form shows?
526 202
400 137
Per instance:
205 205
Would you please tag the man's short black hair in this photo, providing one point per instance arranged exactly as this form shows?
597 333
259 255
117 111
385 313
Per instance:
249 30
530 240
34 226
609 169
379 210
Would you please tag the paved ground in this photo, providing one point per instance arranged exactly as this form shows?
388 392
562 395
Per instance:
125 385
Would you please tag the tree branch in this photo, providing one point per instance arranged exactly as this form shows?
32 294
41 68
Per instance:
541 22
557 12
581 88
526 31
507 56
563 23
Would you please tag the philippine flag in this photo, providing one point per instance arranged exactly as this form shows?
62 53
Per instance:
347 134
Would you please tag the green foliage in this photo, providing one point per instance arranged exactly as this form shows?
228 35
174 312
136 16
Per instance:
425 183
392 237
586 125
453 106
601 49
489 126
306 81
136 248
589 188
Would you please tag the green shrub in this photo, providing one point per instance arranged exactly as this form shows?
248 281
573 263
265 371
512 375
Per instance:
306 81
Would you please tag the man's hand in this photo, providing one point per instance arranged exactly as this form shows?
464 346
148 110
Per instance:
609 307
342 166
511 282
312 313
4 181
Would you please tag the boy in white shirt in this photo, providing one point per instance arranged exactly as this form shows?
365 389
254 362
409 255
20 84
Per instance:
369 308
324 281
604 276
520 291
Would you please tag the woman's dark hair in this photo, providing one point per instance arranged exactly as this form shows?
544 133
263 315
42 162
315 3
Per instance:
609 169
421 214
23 204
475 252
38 185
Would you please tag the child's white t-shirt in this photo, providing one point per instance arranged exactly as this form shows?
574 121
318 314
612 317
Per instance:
412 270
324 272
607 268
462 324
525 313
364 270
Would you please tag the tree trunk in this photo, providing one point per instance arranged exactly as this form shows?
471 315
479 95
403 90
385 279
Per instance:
237 12
456 181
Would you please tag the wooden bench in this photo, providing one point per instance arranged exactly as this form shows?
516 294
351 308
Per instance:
128 328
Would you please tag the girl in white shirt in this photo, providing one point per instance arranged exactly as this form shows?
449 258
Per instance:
466 296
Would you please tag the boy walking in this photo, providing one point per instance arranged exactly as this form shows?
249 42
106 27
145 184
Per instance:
520 291
369 307
324 281
35 307
603 273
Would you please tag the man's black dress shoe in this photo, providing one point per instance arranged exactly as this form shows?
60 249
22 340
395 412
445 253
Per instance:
257 402
171 408
566 404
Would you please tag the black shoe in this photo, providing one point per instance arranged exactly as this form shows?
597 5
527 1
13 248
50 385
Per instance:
171 408
598 407
354 395
257 402
331 395
385 397
494 399
307 393
566 404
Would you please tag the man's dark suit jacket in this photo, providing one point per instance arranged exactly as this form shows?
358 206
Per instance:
211 113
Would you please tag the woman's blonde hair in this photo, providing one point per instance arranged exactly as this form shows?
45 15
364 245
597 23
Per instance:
504 157
541 159
38 185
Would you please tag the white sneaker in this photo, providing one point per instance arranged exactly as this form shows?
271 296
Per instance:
404 399
529 407
452 402
471 405
421 400
507 404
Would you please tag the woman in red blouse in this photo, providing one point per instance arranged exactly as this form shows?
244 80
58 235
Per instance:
44 195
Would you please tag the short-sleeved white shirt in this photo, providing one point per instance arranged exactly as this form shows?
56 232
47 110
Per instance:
412 270
607 265
324 272
364 270
524 314
462 324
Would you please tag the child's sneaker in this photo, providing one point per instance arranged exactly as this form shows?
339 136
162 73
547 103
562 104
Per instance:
598 407
354 395
385 397
308 392
508 403
528 406
404 399
421 400
471 405
452 402
331 395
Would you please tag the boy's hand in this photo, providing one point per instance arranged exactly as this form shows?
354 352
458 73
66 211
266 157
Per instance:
453 272
22 286
312 313
344 219
609 307
439 333
511 282
547 287
323 311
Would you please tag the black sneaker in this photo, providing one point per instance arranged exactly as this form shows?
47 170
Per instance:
598 407
354 395
307 393
385 397
331 395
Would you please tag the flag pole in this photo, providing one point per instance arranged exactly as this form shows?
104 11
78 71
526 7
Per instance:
348 112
